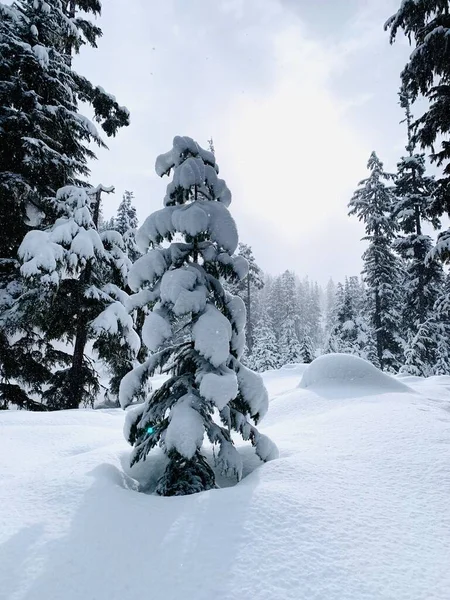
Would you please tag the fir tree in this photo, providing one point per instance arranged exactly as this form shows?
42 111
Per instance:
62 265
372 204
195 329
413 206
247 288
290 349
44 140
350 332
265 353
428 350
427 73
306 349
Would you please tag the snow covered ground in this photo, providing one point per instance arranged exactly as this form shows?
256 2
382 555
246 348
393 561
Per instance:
356 507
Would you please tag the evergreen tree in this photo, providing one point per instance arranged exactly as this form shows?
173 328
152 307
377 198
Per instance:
412 207
427 73
330 302
265 353
290 349
44 142
350 333
195 329
332 344
62 265
247 288
306 349
372 203
428 350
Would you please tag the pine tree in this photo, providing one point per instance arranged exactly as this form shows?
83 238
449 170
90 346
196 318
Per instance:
62 265
350 332
413 206
372 204
195 330
44 141
423 275
427 73
330 302
306 349
332 344
247 289
428 350
290 348
265 353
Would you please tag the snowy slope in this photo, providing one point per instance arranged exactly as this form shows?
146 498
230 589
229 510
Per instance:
355 508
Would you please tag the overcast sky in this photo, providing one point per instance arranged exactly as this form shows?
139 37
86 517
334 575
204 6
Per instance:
295 93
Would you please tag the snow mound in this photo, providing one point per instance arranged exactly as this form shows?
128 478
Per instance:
348 372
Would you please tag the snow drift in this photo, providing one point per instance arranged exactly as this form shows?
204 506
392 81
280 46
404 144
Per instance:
345 372
355 508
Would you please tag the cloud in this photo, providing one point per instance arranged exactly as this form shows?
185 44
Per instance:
294 113
292 158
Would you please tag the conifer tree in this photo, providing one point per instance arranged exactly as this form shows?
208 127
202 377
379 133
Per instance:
265 353
372 203
427 74
44 142
64 267
306 349
247 289
412 207
290 349
350 333
428 349
195 330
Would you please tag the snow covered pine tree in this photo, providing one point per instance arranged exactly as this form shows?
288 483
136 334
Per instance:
62 266
195 329
372 203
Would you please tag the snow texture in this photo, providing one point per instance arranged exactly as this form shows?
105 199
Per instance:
155 331
220 389
252 388
355 508
115 319
185 431
146 269
212 335
334 370
177 288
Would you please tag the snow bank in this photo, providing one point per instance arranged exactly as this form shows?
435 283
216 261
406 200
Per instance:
356 507
347 371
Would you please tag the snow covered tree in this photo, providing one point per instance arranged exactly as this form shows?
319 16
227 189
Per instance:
43 137
309 311
427 73
290 349
195 330
265 353
372 203
423 275
61 265
247 288
306 349
427 351
350 332
44 140
412 207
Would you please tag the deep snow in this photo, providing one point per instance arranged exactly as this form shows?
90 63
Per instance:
356 507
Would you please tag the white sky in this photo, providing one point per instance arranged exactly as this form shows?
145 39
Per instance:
295 93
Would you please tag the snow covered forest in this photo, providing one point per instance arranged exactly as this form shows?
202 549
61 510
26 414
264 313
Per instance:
152 351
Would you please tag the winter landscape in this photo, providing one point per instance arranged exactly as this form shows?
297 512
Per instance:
206 394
